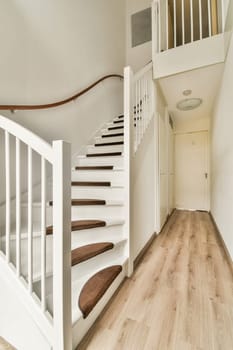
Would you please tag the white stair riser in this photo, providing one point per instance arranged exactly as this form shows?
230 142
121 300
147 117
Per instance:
85 268
109 139
92 161
97 212
98 175
104 149
36 214
110 125
105 193
110 132
36 219
100 234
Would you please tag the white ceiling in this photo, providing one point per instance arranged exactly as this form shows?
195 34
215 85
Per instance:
203 82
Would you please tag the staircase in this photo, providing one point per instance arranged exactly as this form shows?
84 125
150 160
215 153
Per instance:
65 238
99 238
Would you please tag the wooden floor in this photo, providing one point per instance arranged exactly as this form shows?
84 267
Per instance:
179 298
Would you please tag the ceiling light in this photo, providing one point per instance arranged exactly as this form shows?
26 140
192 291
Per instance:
187 92
189 104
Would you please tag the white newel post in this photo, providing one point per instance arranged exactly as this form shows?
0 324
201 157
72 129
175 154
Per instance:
62 246
128 154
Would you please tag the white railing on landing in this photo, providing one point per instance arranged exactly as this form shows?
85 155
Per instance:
176 23
139 98
20 143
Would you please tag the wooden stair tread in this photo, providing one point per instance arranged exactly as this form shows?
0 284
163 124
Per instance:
111 154
84 201
96 287
95 167
109 143
91 183
81 225
115 127
113 135
89 251
117 121
77 202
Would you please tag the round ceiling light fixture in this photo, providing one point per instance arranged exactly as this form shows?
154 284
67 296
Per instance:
187 92
188 104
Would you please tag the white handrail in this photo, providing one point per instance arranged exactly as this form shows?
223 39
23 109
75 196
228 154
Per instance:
142 71
29 138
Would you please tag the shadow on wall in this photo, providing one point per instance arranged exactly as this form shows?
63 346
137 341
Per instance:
51 50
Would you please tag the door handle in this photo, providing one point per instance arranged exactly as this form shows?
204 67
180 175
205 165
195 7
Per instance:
206 175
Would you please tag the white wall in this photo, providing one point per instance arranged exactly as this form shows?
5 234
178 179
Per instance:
16 324
187 124
53 49
222 156
138 56
144 191
146 207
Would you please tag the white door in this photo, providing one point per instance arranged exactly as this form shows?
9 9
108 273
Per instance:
192 171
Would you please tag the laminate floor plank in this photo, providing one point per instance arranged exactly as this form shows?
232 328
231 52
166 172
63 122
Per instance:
179 298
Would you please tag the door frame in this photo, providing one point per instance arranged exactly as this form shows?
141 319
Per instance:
207 166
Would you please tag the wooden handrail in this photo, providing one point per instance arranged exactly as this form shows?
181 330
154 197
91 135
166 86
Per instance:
59 103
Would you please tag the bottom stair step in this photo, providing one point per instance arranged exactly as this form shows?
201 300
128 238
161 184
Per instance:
89 251
96 287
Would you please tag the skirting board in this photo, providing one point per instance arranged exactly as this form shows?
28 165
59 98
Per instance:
144 250
222 243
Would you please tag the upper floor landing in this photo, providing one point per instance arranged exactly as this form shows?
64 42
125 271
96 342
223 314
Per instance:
189 34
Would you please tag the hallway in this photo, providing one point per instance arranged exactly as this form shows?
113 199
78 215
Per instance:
180 297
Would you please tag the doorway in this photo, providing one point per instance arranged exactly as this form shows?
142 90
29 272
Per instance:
192 171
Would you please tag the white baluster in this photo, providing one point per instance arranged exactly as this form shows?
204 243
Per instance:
140 115
191 19
8 194
183 24
167 24
18 208
144 104
62 246
135 115
209 18
30 226
200 19
174 9
43 234
159 27
223 16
